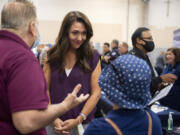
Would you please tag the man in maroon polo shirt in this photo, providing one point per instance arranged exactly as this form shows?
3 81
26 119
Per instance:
24 102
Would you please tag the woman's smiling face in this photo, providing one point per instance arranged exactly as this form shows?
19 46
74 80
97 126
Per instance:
77 35
170 58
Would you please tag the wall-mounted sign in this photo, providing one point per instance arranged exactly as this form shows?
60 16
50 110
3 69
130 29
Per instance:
176 40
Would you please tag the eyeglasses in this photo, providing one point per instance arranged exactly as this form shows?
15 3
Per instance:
148 38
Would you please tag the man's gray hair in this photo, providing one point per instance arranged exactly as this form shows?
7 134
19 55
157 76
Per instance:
17 14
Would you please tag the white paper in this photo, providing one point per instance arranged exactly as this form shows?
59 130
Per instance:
80 129
158 108
161 94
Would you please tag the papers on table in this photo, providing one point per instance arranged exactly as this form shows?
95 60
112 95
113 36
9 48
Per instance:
161 94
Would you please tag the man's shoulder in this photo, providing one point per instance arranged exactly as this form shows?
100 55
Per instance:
134 51
15 54
17 51
137 53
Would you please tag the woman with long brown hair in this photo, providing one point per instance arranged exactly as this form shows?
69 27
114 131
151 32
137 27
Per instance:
71 61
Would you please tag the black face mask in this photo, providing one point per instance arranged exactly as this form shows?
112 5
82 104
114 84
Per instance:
149 46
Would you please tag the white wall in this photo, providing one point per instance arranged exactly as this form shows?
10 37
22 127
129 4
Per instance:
158 13
2 2
109 18
100 13
162 26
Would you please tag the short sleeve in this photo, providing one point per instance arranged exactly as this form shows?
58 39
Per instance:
95 59
26 86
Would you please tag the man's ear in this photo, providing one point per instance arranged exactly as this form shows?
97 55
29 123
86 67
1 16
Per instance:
32 28
139 41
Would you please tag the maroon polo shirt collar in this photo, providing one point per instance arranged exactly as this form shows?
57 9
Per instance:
12 36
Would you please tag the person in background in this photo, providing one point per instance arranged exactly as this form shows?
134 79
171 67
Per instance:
91 44
114 50
105 56
173 66
71 61
49 45
43 55
24 102
37 50
114 44
126 82
123 48
142 44
102 106
160 63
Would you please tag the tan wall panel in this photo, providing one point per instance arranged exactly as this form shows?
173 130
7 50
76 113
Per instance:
102 32
163 37
48 31
106 32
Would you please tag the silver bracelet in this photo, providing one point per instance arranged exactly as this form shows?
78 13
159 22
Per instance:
83 116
